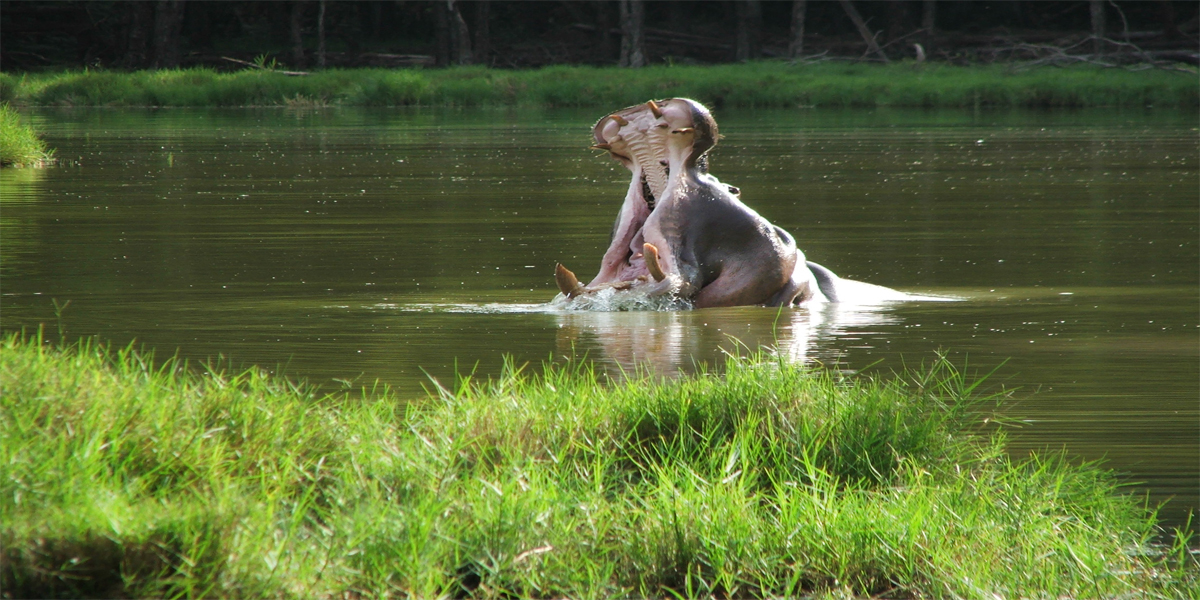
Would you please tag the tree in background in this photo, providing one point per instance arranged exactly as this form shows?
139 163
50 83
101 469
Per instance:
796 44
633 34
137 34
749 30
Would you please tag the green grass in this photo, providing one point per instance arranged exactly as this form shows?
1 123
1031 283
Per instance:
19 143
130 476
760 84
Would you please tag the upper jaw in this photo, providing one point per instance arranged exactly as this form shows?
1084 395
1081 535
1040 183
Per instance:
647 137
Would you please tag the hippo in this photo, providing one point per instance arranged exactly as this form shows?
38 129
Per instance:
683 233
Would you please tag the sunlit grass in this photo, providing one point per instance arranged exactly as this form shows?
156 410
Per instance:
127 475
760 84
19 143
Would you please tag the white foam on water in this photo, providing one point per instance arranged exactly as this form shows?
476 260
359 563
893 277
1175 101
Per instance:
491 308
612 300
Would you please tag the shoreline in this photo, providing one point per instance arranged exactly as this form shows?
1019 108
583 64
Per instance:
764 84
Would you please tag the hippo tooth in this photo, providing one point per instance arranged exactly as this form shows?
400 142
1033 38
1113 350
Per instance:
567 282
652 262
655 109
684 130
619 119
601 147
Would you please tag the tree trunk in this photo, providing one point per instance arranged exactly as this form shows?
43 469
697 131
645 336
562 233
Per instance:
749 29
872 47
633 45
604 25
799 10
460 35
321 34
483 37
442 46
928 24
296 30
168 23
141 26
1098 26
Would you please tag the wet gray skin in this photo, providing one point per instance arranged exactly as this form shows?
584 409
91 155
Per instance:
682 232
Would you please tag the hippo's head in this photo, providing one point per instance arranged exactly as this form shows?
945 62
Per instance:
683 114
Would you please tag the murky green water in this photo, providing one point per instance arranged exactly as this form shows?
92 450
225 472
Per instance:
356 245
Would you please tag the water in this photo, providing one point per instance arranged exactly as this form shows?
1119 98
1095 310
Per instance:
399 245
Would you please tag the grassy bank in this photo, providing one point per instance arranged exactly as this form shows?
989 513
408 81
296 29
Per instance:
19 144
128 479
763 84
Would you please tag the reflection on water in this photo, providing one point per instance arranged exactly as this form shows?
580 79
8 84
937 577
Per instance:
402 244
672 342
682 341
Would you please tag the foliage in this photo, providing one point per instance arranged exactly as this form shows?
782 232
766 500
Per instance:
19 143
130 476
760 84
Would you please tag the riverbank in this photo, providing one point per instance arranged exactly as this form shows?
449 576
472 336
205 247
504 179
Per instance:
759 84
130 476
19 144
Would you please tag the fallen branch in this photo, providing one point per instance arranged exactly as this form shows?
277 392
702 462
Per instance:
872 46
1054 55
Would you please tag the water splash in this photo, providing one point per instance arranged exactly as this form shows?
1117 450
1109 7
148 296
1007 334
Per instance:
491 308
612 300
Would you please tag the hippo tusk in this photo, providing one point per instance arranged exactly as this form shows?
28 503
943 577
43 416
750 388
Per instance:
567 282
655 109
684 130
619 119
652 262
601 147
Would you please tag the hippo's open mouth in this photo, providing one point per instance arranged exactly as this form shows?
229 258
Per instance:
637 138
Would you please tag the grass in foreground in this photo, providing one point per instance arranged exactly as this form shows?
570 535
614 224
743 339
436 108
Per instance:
19 144
126 476
758 84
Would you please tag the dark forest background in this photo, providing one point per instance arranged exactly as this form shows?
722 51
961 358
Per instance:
307 34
